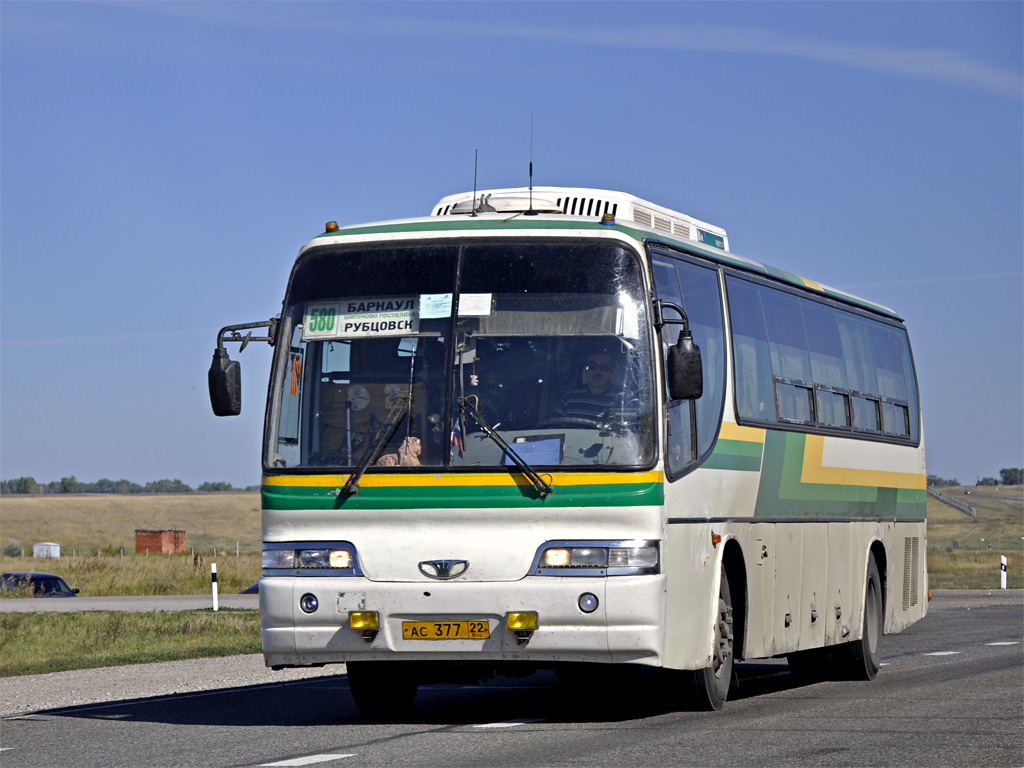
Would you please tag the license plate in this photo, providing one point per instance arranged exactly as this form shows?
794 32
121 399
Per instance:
446 630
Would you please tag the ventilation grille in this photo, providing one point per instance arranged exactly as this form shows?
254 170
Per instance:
664 224
911 563
591 203
586 206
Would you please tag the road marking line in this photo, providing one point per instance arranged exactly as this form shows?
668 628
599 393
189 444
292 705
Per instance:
309 760
941 653
1006 642
507 724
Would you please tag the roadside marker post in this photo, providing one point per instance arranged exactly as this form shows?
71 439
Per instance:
1002 572
213 583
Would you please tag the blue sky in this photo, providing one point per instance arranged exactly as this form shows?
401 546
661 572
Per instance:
161 164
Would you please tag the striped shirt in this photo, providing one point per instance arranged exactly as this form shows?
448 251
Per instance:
620 407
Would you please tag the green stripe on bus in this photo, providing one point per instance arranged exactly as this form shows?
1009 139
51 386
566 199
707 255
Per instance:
523 494
736 455
781 492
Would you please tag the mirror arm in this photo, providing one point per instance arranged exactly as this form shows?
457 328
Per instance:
660 320
235 336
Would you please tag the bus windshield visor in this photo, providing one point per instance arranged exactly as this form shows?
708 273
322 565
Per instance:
382 349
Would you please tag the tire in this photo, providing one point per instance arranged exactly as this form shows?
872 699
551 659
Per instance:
713 683
863 657
381 689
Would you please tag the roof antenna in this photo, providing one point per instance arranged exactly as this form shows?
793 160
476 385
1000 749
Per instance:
476 158
531 212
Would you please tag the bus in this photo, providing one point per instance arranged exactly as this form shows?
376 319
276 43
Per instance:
569 429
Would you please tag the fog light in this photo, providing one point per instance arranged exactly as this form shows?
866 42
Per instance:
363 620
521 620
308 603
588 602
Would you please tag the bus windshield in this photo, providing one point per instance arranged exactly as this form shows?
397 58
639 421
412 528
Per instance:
391 356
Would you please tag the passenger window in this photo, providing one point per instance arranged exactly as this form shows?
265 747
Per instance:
820 364
794 401
755 391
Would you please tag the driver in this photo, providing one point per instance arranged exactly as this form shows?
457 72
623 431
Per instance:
599 400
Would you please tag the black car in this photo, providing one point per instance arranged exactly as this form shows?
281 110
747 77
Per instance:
35 584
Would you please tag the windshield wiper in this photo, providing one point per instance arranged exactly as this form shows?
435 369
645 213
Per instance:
467 407
352 486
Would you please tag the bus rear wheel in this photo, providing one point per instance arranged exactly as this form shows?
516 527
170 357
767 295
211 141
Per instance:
380 688
713 683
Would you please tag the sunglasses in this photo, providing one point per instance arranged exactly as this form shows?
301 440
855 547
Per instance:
602 367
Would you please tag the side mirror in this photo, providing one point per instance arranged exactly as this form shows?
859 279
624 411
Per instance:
685 373
225 380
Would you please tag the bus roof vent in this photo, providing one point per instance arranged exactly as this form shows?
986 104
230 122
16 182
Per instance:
590 203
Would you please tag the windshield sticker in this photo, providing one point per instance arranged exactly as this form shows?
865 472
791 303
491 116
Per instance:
433 305
474 304
357 318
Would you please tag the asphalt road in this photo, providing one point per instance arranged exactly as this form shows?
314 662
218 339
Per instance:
950 694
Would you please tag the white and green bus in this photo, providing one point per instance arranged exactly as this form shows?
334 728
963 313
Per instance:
558 428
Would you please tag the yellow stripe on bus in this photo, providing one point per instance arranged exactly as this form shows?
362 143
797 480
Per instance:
815 471
732 431
455 480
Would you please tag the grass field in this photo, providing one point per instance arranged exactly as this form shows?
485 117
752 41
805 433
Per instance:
107 521
964 551
35 643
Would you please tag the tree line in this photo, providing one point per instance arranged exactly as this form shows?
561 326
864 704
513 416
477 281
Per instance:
28 485
1007 476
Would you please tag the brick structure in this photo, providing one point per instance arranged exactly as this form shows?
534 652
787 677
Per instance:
159 541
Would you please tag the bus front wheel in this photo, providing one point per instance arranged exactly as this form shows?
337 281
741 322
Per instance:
863 657
713 682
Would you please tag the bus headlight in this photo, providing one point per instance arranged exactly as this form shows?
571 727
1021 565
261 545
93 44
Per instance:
278 558
325 558
596 558
575 557
633 557
310 559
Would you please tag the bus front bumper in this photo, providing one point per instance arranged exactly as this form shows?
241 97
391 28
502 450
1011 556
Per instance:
627 624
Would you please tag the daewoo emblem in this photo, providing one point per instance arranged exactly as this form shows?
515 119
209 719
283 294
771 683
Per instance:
443 569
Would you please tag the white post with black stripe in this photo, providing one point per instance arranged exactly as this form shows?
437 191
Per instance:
213 583
1002 572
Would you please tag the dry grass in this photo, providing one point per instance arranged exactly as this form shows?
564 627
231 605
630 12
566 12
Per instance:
964 551
107 522
35 643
